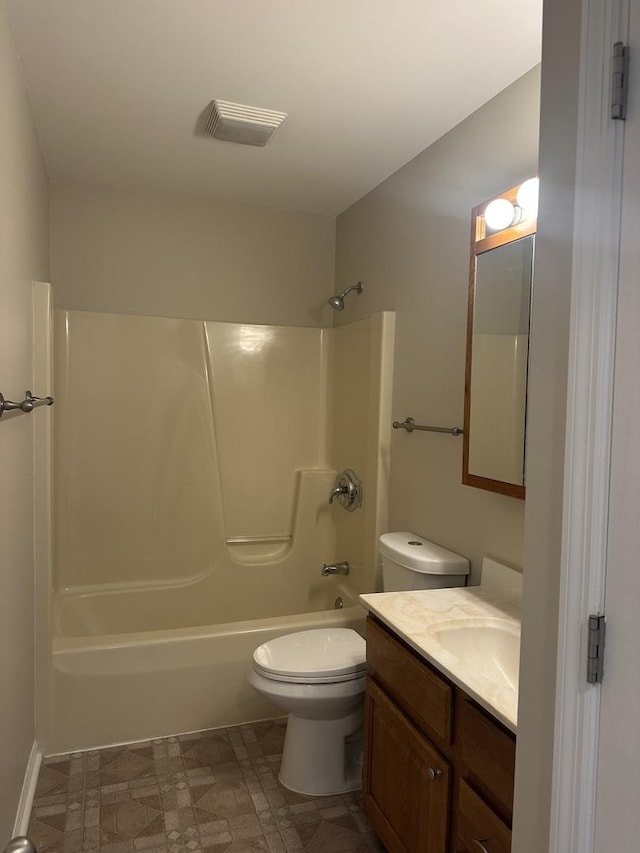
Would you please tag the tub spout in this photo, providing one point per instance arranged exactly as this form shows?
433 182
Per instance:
335 569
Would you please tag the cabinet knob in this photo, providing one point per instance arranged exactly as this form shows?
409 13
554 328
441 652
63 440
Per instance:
433 773
480 844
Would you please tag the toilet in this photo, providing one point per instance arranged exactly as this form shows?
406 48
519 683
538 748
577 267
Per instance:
319 676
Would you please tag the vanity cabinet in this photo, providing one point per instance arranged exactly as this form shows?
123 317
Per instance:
438 769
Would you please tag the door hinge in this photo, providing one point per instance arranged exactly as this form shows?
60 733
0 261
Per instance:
595 649
619 81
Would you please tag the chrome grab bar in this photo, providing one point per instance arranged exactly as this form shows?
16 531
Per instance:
409 424
27 405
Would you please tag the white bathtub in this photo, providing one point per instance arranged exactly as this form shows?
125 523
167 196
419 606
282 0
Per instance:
142 660
114 688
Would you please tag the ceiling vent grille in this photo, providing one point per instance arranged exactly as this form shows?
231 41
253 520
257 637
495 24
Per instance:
240 123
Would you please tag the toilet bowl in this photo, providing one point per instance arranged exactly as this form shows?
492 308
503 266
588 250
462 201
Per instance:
318 678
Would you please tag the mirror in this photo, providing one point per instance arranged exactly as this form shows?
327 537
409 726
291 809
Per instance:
502 251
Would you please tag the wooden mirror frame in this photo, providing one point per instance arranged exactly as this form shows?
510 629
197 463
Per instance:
482 242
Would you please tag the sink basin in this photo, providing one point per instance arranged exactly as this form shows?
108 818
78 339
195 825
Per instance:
489 648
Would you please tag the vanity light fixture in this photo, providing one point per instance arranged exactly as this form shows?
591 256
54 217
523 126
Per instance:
527 197
503 213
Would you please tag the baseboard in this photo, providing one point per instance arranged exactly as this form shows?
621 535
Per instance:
25 804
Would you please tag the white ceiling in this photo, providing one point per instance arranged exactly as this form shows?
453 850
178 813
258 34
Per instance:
117 87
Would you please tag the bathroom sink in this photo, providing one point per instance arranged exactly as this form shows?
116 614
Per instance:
488 648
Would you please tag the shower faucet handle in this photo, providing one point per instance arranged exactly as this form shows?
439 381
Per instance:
348 490
342 489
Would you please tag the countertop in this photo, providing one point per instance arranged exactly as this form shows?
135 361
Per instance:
417 617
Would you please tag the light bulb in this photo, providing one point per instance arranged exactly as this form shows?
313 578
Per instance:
499 214
528 197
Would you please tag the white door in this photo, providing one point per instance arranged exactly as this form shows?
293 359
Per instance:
618 782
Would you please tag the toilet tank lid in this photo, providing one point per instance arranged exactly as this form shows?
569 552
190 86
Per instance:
420 555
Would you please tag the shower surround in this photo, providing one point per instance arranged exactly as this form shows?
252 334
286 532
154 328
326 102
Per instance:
193 464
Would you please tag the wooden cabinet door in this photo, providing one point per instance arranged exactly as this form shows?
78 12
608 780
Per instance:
406 784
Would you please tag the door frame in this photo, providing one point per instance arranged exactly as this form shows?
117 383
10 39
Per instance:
594 289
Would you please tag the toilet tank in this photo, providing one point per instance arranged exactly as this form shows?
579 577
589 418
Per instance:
411 562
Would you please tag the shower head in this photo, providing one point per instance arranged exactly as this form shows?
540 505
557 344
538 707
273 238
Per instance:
337 302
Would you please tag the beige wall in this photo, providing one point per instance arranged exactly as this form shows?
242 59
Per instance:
23 258
122 252
408 240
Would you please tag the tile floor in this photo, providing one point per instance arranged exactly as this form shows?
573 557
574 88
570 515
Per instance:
214 791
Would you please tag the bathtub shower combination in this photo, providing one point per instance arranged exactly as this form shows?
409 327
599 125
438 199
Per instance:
193 467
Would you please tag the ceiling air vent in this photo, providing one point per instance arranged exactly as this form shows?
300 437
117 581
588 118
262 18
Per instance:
240 123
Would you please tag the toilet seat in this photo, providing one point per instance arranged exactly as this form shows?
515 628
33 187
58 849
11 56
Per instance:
318 656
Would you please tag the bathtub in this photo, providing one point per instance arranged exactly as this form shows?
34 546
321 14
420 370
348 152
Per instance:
133 661
113 688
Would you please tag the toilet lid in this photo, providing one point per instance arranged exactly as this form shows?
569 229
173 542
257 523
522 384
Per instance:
335 653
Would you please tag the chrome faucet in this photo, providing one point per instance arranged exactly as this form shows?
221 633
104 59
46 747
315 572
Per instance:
335 569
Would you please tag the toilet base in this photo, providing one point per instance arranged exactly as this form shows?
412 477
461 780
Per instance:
323 757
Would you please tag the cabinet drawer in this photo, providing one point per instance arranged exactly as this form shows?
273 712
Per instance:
479 828
487 751
424 696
